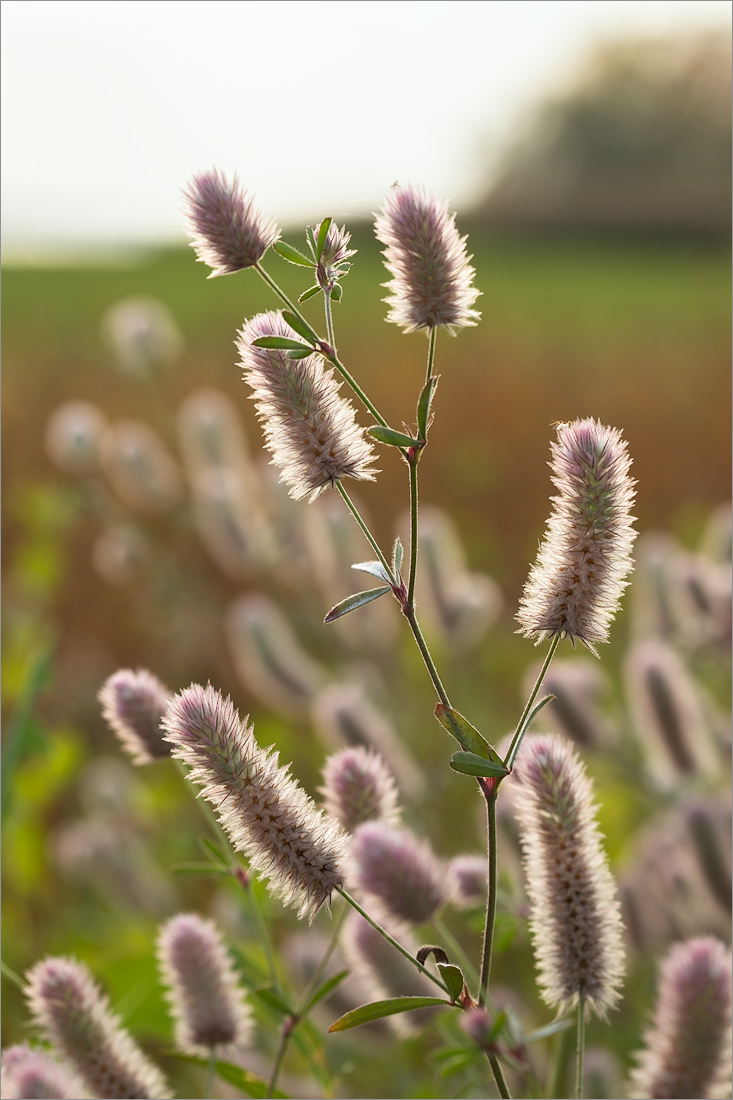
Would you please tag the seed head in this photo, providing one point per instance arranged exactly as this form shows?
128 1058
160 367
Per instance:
687 1048
227 232
133 705
575 916
432 278
399 870
29 1073
266 815
74 1015
205 998
575 585
357 787
310 431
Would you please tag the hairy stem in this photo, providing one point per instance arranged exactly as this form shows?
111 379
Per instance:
383 932
580 1050
426 656
499 1077
520 730
329 319
288 1027
369 536
413 533
431 354
318 972
486 949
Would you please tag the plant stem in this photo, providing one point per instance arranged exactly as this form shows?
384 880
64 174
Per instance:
431 354
456 950
287 1030
318 972
329 319
487 947
499 1077
556 1080
383 932
580 1050
520 731
426 656
369 536
413 533
210 1074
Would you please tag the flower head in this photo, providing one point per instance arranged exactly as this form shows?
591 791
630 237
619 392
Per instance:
228 233
575 585
75 1016
260 806
205 998
27 1073
687 1051
575 916
133 705
432 278
311 432
74 437
399 870
359 787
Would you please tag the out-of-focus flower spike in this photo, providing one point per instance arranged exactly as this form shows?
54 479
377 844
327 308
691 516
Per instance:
205 998
133 705
708 821
574 587
687 1048
140 469
74 437
575 917
309 429
266 815
577 685
432 279
399 871
468 875
74 1015
358 787
120 553
227 233
28 1073
143 335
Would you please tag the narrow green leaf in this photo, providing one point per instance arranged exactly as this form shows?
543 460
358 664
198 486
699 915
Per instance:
337 292
548 1030
309 293
468 763
374 567
299 326
302 353
324 990
378 1009
391 437
525 726
291 254
465 734
322 231
213 849
242 1079
453 978
18 733
282 343
200 870
423 405
397 555
273 999
352 602
10 974
311 238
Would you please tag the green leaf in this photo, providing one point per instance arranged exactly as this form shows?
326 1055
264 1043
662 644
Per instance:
337 292
468 763
200 870
273 999
324 990
18 734
465 734
548 1030
453 978
242 1079
311 238
322 231
423 405
397 555
213 849
352 602
291 254
374 567
525 726
282 343
299 325
302 353
309 293
392 438
378 1009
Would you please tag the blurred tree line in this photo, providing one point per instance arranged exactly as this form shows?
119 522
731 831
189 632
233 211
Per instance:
640 140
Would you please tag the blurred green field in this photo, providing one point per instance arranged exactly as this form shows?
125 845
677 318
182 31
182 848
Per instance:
636 334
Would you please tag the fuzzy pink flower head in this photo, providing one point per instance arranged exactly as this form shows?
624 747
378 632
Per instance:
74 1015
357 787
581 571
309 429
133 705
399 870
205 998
687 1049
27 1073
575 917
432 284
266 815
227 232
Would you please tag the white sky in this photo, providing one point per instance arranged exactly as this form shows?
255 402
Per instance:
108 106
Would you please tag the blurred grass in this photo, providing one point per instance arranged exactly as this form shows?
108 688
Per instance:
635 334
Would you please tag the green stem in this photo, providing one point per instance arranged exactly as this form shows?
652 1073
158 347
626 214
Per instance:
422 645
520 730
580 1050
456 950
413 533
369 536
288 1027
383 932
490 895
318 972
431 354
499 1077
208 1089
329 319
556 1081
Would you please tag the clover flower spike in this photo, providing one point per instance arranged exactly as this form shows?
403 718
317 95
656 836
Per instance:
228 233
